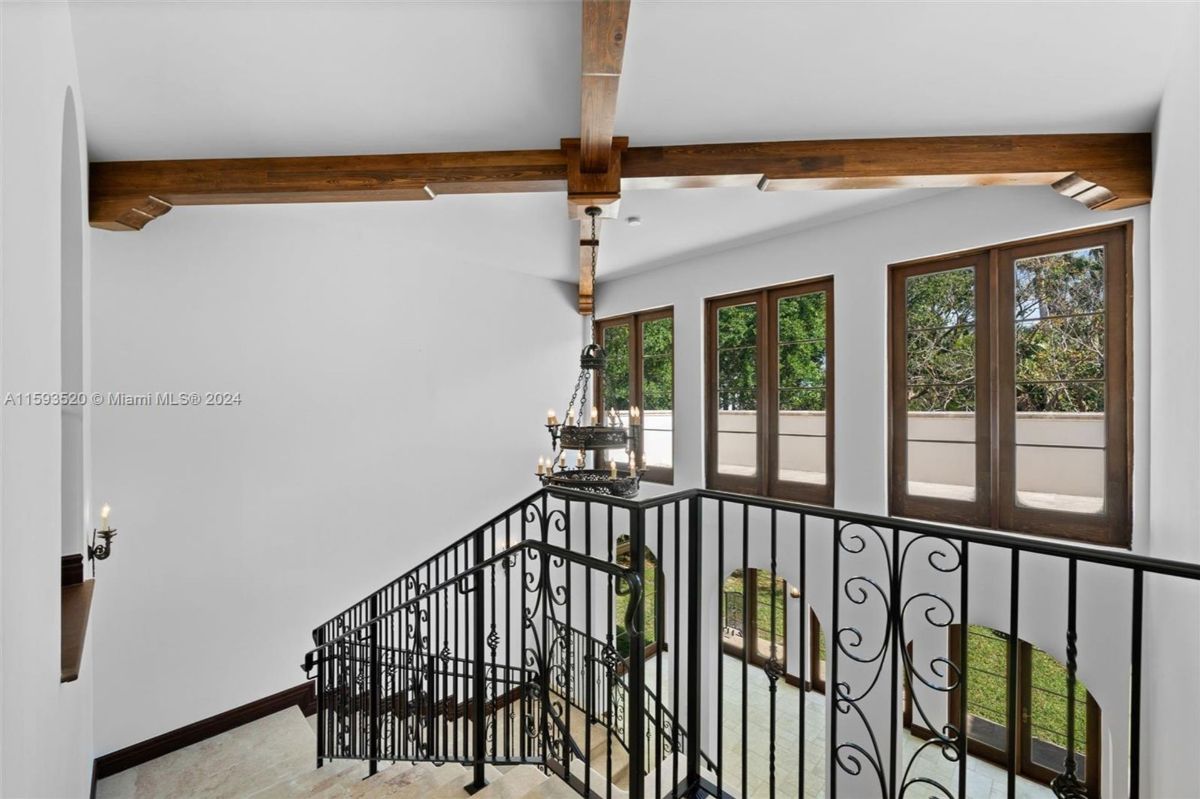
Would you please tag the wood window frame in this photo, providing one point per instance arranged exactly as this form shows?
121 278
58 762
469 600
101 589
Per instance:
766 481
815 679
654 474
995 503
1025 765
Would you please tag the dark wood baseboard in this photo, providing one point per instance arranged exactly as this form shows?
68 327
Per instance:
302 696
72 569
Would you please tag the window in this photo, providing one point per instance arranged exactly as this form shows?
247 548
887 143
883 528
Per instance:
770 389
1010 387
754 629
641 374
1041 702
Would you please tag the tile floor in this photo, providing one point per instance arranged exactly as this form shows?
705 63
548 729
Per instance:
984 780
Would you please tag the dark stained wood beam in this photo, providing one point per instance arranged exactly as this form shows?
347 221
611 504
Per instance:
1108 171
586 189
603 50
587 287
127 195
1102 171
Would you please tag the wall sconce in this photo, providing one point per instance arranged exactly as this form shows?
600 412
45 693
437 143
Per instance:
106 534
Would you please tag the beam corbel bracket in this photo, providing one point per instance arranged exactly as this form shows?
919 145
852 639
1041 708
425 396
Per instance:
585 189
126 213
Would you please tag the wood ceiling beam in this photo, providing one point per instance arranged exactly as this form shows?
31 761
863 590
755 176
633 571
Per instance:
1103 171
126 195
587 287
603 50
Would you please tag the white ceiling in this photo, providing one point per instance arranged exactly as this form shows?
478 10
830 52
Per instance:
531 234
162 79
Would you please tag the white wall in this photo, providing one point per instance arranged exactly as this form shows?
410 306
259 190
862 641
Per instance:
856 253
1172 695
393 397
45 726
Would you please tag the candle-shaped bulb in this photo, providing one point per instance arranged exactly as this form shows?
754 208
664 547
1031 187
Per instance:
595 415
551 417
562 461
104 511
612 469
541 465
580 461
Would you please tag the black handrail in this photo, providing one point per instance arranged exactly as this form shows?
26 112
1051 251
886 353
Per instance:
1090 553
629 575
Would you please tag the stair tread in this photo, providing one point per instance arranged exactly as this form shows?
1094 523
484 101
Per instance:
330 780
414 781
513 785
552 788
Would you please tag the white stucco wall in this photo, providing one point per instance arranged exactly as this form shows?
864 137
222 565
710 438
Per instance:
1172 692
45 726
392 397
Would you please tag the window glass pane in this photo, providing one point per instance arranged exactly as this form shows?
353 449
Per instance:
987 686
733 616
1048 714
1059 362
762 620
658 382
940 369
737 389
616 382
802 364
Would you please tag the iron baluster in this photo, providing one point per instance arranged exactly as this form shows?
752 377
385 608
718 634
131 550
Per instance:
1068 785
373 744
478 710
1014 606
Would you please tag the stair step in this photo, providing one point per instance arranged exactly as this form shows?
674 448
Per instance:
514 785
456 788
403 779
331 780
554 788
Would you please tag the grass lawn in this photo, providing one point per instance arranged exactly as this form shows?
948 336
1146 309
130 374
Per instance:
987 696
621 607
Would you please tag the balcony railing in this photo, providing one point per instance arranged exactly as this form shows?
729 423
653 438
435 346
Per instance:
502 649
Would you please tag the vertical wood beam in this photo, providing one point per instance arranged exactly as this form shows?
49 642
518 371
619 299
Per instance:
603 50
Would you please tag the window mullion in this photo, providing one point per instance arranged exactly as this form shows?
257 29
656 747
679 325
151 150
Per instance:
766 382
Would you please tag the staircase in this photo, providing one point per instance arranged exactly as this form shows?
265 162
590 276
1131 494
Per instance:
500 651
272 759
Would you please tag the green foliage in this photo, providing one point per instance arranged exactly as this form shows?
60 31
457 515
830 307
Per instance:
616 373
657 365
1058 315
940 309
737 357
802 355
1060 332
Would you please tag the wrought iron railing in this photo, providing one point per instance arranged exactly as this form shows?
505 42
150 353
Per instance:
502 648
603 693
